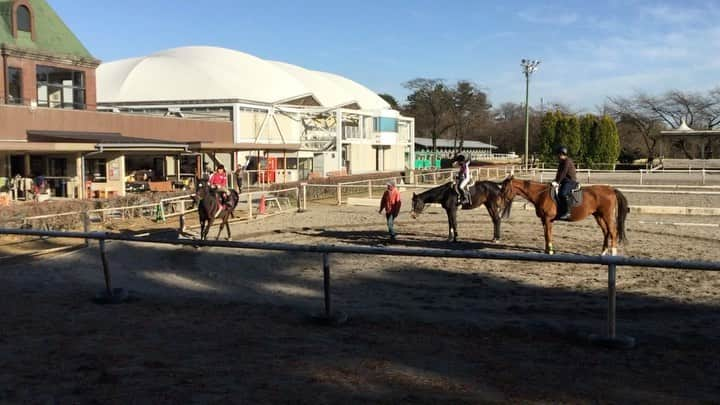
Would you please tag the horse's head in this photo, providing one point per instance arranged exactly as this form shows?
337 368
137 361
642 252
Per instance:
201 188
508 192
418 205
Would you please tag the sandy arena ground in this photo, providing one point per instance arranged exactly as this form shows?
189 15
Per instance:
222 326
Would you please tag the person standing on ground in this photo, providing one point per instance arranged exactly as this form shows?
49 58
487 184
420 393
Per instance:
239 170
391 203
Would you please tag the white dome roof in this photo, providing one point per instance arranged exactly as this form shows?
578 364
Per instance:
211 73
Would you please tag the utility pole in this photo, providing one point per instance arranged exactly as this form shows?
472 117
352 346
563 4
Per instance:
529 67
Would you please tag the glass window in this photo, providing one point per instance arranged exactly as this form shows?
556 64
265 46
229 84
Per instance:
95 170
60 88
14 86
24 22
385 124
57 167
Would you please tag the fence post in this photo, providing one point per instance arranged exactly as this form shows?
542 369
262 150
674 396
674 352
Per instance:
86 226
304 190
326 284
641 176
250 206
109 295
339 194
182 217
612 277
703 176
610 338
369 188
588 174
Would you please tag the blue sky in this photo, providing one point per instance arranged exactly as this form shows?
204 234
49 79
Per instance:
589 50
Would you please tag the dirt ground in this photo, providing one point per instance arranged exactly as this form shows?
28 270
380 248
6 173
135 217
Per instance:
223 326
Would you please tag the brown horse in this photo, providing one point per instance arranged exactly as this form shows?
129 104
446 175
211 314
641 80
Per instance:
608 205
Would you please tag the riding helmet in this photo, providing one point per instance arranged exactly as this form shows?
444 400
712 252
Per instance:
561 150
459 158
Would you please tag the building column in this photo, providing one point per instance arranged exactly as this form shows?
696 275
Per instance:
236 122
338 139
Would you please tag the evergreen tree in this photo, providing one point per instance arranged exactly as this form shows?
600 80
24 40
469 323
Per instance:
607 144
567 133
589 129
547 142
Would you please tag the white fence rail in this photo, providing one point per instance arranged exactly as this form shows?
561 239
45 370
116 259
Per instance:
609 338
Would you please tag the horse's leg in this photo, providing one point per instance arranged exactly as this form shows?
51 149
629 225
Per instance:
606 234
454 224
451 230
495 215
221 227
547 226
609 219
227 227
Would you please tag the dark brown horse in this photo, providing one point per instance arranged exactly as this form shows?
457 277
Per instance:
208 202
608 205
484 193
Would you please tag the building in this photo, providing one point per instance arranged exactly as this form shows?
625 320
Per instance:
684 142
87 128
302 120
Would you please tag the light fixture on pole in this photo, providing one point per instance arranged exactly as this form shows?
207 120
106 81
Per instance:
529 67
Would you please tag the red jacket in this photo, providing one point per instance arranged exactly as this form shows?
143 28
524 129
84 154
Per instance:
391 202
218 179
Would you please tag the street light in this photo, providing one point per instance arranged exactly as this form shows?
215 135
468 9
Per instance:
529 67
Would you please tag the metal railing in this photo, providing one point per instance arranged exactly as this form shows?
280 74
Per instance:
612 262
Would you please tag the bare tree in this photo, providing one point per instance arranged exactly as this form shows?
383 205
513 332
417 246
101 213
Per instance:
469 109
637 113
430 104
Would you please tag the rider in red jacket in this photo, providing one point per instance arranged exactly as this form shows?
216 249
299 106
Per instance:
219 182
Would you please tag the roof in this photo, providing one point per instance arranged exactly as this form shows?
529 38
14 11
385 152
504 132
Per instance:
684 129
271 147
207 73
93 137
51 34
449 143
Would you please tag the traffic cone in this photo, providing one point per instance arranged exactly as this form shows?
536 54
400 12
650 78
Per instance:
261 208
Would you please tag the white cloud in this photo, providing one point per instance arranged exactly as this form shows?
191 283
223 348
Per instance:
548 15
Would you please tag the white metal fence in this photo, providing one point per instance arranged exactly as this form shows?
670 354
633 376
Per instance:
610 337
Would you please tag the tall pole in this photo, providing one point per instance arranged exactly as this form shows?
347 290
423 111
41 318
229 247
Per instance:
527 118
529 67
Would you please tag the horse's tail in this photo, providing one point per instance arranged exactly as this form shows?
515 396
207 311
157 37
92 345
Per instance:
622 211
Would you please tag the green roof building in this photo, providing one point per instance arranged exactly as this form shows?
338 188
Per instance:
43 62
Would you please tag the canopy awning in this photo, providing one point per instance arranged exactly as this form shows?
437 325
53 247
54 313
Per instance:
239 147
104 141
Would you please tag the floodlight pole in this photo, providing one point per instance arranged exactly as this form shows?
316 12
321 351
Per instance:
529 67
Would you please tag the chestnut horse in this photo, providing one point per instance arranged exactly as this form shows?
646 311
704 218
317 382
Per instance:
608 205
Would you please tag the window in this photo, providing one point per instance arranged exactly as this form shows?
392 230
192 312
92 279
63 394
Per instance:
385 124
95 170
60 88
57 167
14 86
24 22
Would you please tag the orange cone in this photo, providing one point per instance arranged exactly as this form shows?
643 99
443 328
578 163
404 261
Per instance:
261 209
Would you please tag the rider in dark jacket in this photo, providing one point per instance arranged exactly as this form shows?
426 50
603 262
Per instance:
566 177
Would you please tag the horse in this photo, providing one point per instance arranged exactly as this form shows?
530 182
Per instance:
485 193
208 203
608 205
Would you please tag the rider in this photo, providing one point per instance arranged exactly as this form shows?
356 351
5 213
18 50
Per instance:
219 182
567 179
463 179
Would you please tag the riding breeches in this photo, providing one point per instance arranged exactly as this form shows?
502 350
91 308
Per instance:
464 182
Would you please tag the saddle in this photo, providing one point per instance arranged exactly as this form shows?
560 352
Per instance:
575 197
467 190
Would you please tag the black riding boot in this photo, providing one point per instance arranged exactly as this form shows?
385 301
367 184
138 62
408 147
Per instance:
564 208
